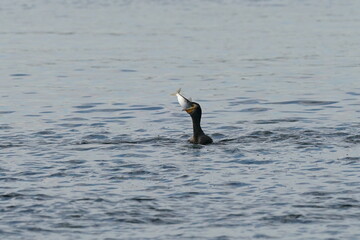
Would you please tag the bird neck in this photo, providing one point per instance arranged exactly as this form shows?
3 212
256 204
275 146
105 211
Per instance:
196 126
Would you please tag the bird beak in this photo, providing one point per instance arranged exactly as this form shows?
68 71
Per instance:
191 109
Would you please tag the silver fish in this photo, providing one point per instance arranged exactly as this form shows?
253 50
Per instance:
183 101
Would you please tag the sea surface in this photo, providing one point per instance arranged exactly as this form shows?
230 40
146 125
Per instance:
93 146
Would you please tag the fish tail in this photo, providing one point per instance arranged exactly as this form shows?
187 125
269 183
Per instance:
178 91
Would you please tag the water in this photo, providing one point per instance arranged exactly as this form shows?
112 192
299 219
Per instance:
94 147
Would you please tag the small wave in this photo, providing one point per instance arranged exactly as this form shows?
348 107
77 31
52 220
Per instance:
308 206
289 218
252 162
353 93
5 127
353 139
110 110
96 137
254 110
318 193
70 125
45 132
68 225
87 105
127 141
305 102
134 155
250 101
10 145
275 121
6 112
74 119
350 160
142 199
236 184
19 75
12 195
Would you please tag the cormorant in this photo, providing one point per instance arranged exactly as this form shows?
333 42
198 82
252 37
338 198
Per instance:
194 110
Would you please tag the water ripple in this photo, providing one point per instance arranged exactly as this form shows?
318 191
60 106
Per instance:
110 110
306 102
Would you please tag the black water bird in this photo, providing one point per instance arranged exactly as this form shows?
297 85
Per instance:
195 112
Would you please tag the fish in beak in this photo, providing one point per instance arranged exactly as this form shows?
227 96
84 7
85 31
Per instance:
185 103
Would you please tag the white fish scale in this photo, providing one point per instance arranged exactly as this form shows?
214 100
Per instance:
184 103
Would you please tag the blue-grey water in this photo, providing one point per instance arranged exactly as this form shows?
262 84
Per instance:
92 145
